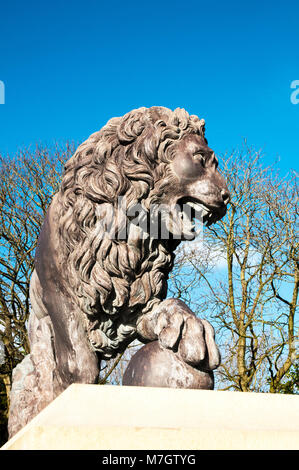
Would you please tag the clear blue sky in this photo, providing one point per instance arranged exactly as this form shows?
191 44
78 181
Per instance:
69 66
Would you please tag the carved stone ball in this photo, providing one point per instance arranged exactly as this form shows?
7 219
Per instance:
154 366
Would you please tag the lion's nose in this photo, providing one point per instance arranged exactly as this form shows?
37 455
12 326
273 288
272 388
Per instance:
225 196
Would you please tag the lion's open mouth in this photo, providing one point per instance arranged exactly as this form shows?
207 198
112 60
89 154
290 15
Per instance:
192 209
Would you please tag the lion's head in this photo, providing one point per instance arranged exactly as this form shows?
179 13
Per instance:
149 157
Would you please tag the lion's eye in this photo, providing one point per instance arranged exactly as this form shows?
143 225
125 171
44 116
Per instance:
199 158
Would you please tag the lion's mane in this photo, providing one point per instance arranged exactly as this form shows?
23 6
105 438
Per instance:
116 281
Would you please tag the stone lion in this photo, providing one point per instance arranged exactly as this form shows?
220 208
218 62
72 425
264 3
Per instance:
92 293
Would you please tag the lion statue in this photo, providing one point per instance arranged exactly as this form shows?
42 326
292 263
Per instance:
100 281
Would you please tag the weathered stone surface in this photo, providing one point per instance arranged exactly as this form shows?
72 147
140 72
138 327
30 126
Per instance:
33 381
154 366
100 275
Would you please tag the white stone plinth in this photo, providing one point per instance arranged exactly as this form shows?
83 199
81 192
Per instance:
110 418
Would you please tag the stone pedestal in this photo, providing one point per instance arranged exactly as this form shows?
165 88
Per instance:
110 418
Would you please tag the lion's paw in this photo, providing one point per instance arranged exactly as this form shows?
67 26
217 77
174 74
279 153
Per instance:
177 328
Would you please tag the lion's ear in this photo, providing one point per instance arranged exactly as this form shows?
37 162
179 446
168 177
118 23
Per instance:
130 127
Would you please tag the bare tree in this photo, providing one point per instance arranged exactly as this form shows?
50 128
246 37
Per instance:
27 184
252 296
112 371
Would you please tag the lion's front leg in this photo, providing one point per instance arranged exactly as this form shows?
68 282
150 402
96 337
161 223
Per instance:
177 328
